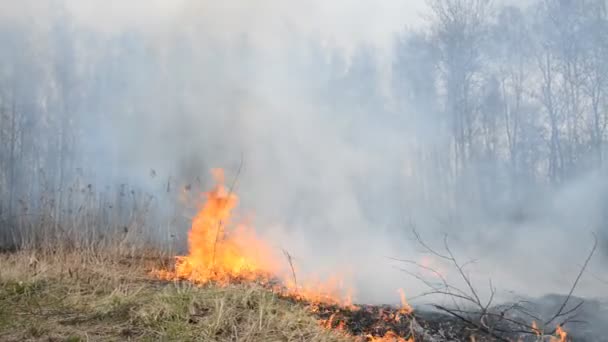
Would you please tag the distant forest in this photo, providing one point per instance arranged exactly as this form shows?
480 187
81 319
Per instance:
493 101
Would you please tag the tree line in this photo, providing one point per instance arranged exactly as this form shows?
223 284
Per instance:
491 99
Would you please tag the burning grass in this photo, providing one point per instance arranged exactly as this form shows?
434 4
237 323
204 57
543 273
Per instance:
83 295
231 286
223 253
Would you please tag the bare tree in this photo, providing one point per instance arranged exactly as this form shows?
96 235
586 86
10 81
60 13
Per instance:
459 29
595 73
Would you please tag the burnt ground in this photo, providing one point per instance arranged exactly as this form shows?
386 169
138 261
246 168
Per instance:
367 321
378 321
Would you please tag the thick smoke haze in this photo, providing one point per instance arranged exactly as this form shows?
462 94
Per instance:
337 111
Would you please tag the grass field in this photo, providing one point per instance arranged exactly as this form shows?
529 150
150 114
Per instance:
91 296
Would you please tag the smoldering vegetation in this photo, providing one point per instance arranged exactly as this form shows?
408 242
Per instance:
484 121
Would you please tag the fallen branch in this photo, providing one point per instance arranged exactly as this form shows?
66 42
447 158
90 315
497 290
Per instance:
560 312
496 322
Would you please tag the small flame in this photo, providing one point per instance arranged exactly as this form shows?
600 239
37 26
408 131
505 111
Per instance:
328 291
328 324
535 328
405 306
561 335
390 336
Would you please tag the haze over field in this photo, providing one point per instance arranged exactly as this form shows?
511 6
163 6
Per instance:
355 121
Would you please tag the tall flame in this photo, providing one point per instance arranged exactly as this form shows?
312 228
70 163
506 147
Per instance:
221 252
217 254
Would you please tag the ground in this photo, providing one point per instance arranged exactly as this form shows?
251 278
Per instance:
85 295
81 297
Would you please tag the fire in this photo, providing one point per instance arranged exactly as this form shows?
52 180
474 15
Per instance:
219 255
562 335
390 337
405 306
222 253
328 324
329 291
535 328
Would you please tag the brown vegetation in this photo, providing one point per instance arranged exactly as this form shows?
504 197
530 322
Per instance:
83 295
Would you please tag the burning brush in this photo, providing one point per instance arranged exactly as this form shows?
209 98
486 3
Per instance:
223 254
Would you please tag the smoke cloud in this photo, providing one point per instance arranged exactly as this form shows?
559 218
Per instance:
302 94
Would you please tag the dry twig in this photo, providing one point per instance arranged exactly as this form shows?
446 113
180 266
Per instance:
494 321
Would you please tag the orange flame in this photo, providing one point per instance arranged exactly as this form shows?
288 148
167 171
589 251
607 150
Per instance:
562 335
218 255
405 306
535 328
390 336
328 324
222 253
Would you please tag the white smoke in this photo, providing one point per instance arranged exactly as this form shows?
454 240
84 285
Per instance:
206 82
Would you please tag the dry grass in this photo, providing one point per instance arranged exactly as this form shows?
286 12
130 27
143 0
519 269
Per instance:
91 296
79 270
